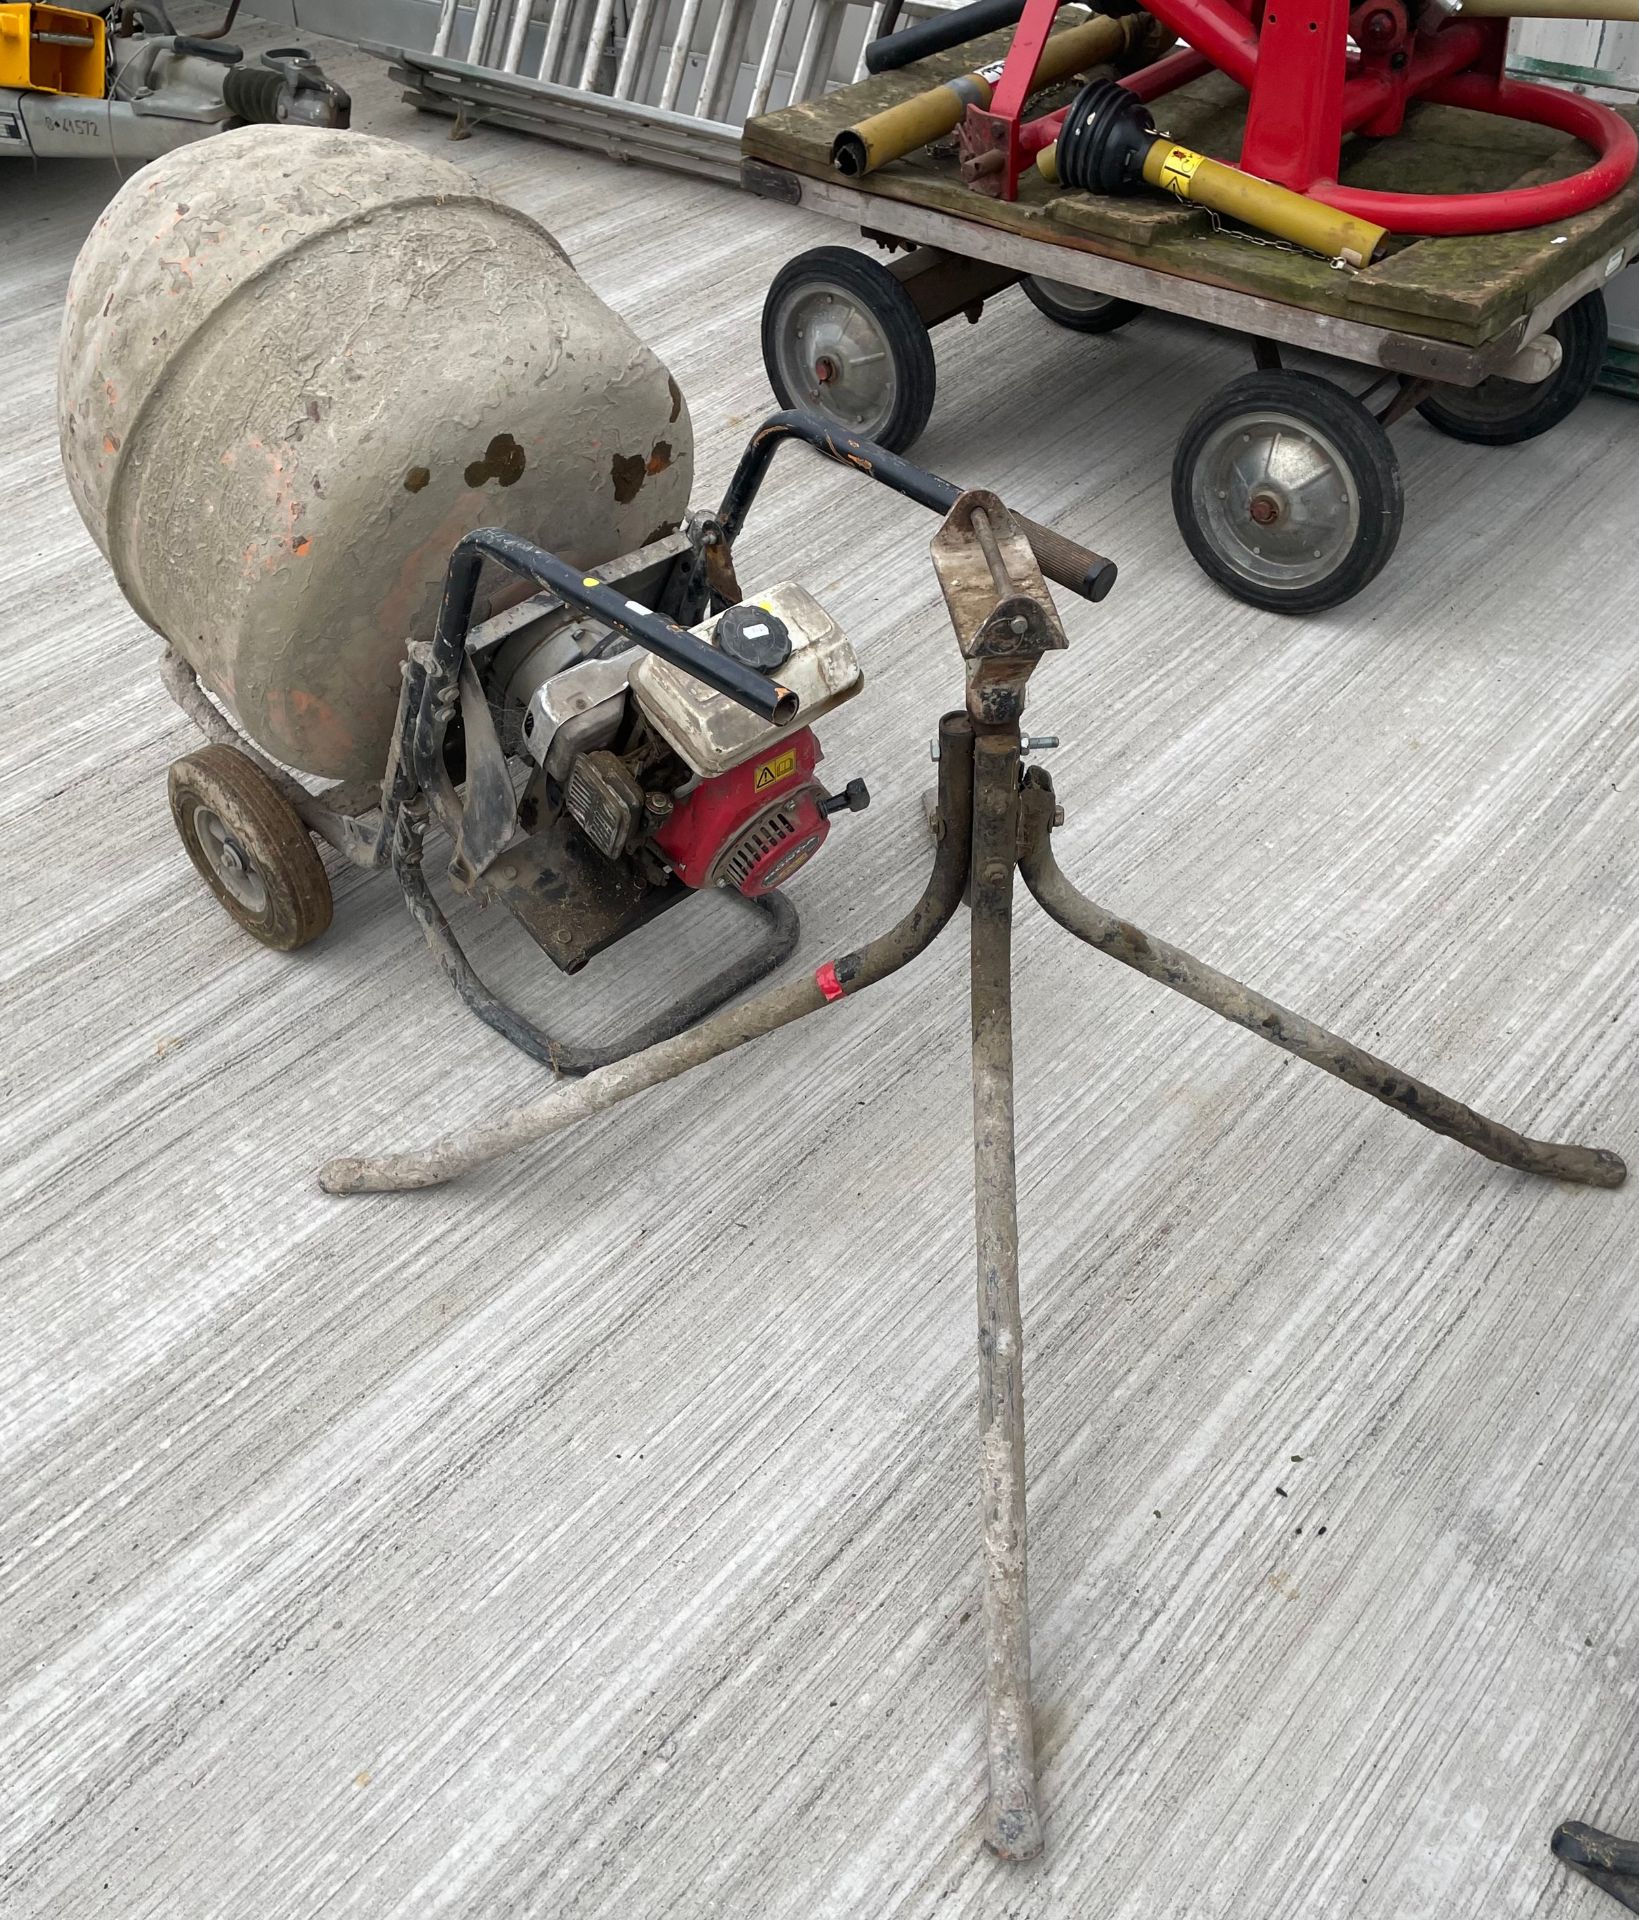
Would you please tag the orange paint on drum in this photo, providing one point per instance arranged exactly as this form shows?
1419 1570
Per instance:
285 520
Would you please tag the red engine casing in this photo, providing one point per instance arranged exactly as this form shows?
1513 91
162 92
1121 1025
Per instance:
751 827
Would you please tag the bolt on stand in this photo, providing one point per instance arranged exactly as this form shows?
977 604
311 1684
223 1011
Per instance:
988 825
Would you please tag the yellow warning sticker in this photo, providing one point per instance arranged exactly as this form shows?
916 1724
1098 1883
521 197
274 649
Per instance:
772 772
1177 170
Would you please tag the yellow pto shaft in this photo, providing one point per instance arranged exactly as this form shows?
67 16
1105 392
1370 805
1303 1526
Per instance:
896 131
1107 143
1261 204
1549 10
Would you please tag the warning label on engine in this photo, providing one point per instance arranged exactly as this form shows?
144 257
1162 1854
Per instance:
772 772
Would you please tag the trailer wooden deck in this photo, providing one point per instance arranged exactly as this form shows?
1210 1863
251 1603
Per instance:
1468 291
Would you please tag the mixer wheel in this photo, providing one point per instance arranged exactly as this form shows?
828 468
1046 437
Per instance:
842 338
1287 492
1501 413
250 847
1076 307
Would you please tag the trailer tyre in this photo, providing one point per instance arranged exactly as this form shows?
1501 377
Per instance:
1077 308
1501 413
250 847
842 339
1287 492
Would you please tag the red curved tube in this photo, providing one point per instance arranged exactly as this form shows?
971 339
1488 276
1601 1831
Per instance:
1222 35
1436 214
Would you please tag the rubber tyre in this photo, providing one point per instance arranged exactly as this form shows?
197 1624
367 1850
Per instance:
1105 317
1364 449
880 295
1501 413
289 902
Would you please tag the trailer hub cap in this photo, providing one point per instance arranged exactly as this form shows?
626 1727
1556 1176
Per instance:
1277 499
834 357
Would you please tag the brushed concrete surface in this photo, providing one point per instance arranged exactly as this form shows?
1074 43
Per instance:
598 1536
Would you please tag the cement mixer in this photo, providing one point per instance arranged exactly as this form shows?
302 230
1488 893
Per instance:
409 507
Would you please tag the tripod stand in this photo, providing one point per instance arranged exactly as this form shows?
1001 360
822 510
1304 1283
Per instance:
988 826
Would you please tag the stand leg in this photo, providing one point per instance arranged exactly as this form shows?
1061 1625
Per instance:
1587 1166
1611 1864
848 974
1013 1825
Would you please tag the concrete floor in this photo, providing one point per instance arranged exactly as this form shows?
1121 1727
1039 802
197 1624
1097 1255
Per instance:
598 1536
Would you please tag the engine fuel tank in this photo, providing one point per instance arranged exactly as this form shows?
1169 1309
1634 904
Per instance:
296 366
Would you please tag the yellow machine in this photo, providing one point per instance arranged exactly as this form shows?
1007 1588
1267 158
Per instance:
122 84
52 50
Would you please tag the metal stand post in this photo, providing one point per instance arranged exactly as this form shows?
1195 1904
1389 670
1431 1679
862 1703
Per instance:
986 824
1611 1864
1013 1827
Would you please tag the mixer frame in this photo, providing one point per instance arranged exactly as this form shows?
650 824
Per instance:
447 766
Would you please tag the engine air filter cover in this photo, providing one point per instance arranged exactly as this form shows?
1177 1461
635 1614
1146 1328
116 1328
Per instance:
604 801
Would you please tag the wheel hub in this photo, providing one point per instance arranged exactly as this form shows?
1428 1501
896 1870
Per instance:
833 356
1277 499
231 864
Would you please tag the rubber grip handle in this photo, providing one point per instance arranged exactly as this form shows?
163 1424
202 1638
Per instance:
1072 566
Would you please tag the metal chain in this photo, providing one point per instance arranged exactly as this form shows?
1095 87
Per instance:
1265 240
1254 239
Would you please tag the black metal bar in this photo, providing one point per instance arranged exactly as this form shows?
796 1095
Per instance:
1610 1863
560 1056
1077 568
945 30
580 588
220 32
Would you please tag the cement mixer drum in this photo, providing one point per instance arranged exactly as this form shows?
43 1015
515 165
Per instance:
296 366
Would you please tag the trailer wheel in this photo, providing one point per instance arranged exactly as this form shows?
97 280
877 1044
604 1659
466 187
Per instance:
842 338
1287 492
250 847
1501 413
1078 308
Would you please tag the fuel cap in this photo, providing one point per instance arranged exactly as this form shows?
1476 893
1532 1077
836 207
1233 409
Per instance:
754 637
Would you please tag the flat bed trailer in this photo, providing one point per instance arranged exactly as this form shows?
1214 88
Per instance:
1285 486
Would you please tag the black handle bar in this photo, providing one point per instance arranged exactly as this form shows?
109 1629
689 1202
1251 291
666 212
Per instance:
1073 566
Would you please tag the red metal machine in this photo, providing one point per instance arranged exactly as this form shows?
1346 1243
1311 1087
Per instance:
1316 70
753 826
